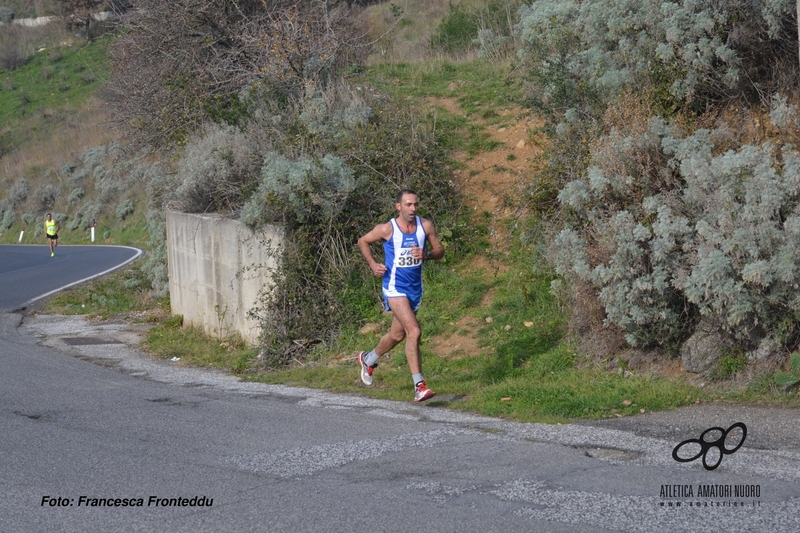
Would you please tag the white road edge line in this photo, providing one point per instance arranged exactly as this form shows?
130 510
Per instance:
45 295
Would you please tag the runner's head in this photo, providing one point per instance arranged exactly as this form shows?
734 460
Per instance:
400 194
407 205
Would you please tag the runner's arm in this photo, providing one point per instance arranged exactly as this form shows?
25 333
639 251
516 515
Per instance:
381 232
437 250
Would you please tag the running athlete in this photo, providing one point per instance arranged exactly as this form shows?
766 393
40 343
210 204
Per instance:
404 245
51 230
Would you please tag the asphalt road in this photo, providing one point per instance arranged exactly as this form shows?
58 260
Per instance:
90 423
28 273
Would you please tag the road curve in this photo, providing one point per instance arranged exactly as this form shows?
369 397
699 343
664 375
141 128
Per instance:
28 273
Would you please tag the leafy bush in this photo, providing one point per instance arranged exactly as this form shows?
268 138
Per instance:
671 228
77 178
69 168
46 196
578 53
640 200
17 193
457 29
76 195
217 170
98 174
352 163
6 15
124 209
296 191
84 216
161 188
8 220
93 157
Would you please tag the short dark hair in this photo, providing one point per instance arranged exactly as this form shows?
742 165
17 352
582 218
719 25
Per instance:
399 197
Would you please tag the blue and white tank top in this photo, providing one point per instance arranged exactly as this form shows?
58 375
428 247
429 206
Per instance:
403 276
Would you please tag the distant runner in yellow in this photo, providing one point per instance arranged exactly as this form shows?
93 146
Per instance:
51 230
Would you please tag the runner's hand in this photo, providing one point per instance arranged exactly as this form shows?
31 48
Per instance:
378 269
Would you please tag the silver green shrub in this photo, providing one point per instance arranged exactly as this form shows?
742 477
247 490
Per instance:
46 195
17 193
85 215
8 220
161 187
69 168
6 15
28 218
99 173
689 46
298 189
335 111
76 195
124 209
671 229
77 178
215 170
95 156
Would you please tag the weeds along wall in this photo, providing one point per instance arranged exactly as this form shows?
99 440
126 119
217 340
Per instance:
218 271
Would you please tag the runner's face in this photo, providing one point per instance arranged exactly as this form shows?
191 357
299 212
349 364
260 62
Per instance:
408 207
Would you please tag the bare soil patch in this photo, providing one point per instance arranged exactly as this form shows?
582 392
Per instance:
487 181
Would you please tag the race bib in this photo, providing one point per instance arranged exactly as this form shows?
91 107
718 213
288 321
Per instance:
404 259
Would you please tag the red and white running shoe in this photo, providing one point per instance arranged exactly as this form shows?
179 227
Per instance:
422 393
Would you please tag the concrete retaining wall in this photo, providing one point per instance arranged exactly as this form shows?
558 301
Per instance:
217 269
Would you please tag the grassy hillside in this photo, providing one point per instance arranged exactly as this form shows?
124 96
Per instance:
56 153
495 338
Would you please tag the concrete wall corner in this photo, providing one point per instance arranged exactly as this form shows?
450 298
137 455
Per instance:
218 269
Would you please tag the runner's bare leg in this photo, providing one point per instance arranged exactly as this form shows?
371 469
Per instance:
406 319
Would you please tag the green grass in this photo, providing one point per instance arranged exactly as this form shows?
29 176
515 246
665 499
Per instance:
521 373
119 294
477 84
480 89
191 345
40 98
64 77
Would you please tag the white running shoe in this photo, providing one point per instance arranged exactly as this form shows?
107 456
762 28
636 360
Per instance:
366 370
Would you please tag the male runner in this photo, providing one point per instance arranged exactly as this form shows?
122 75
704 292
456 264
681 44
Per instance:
51 230
404 241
